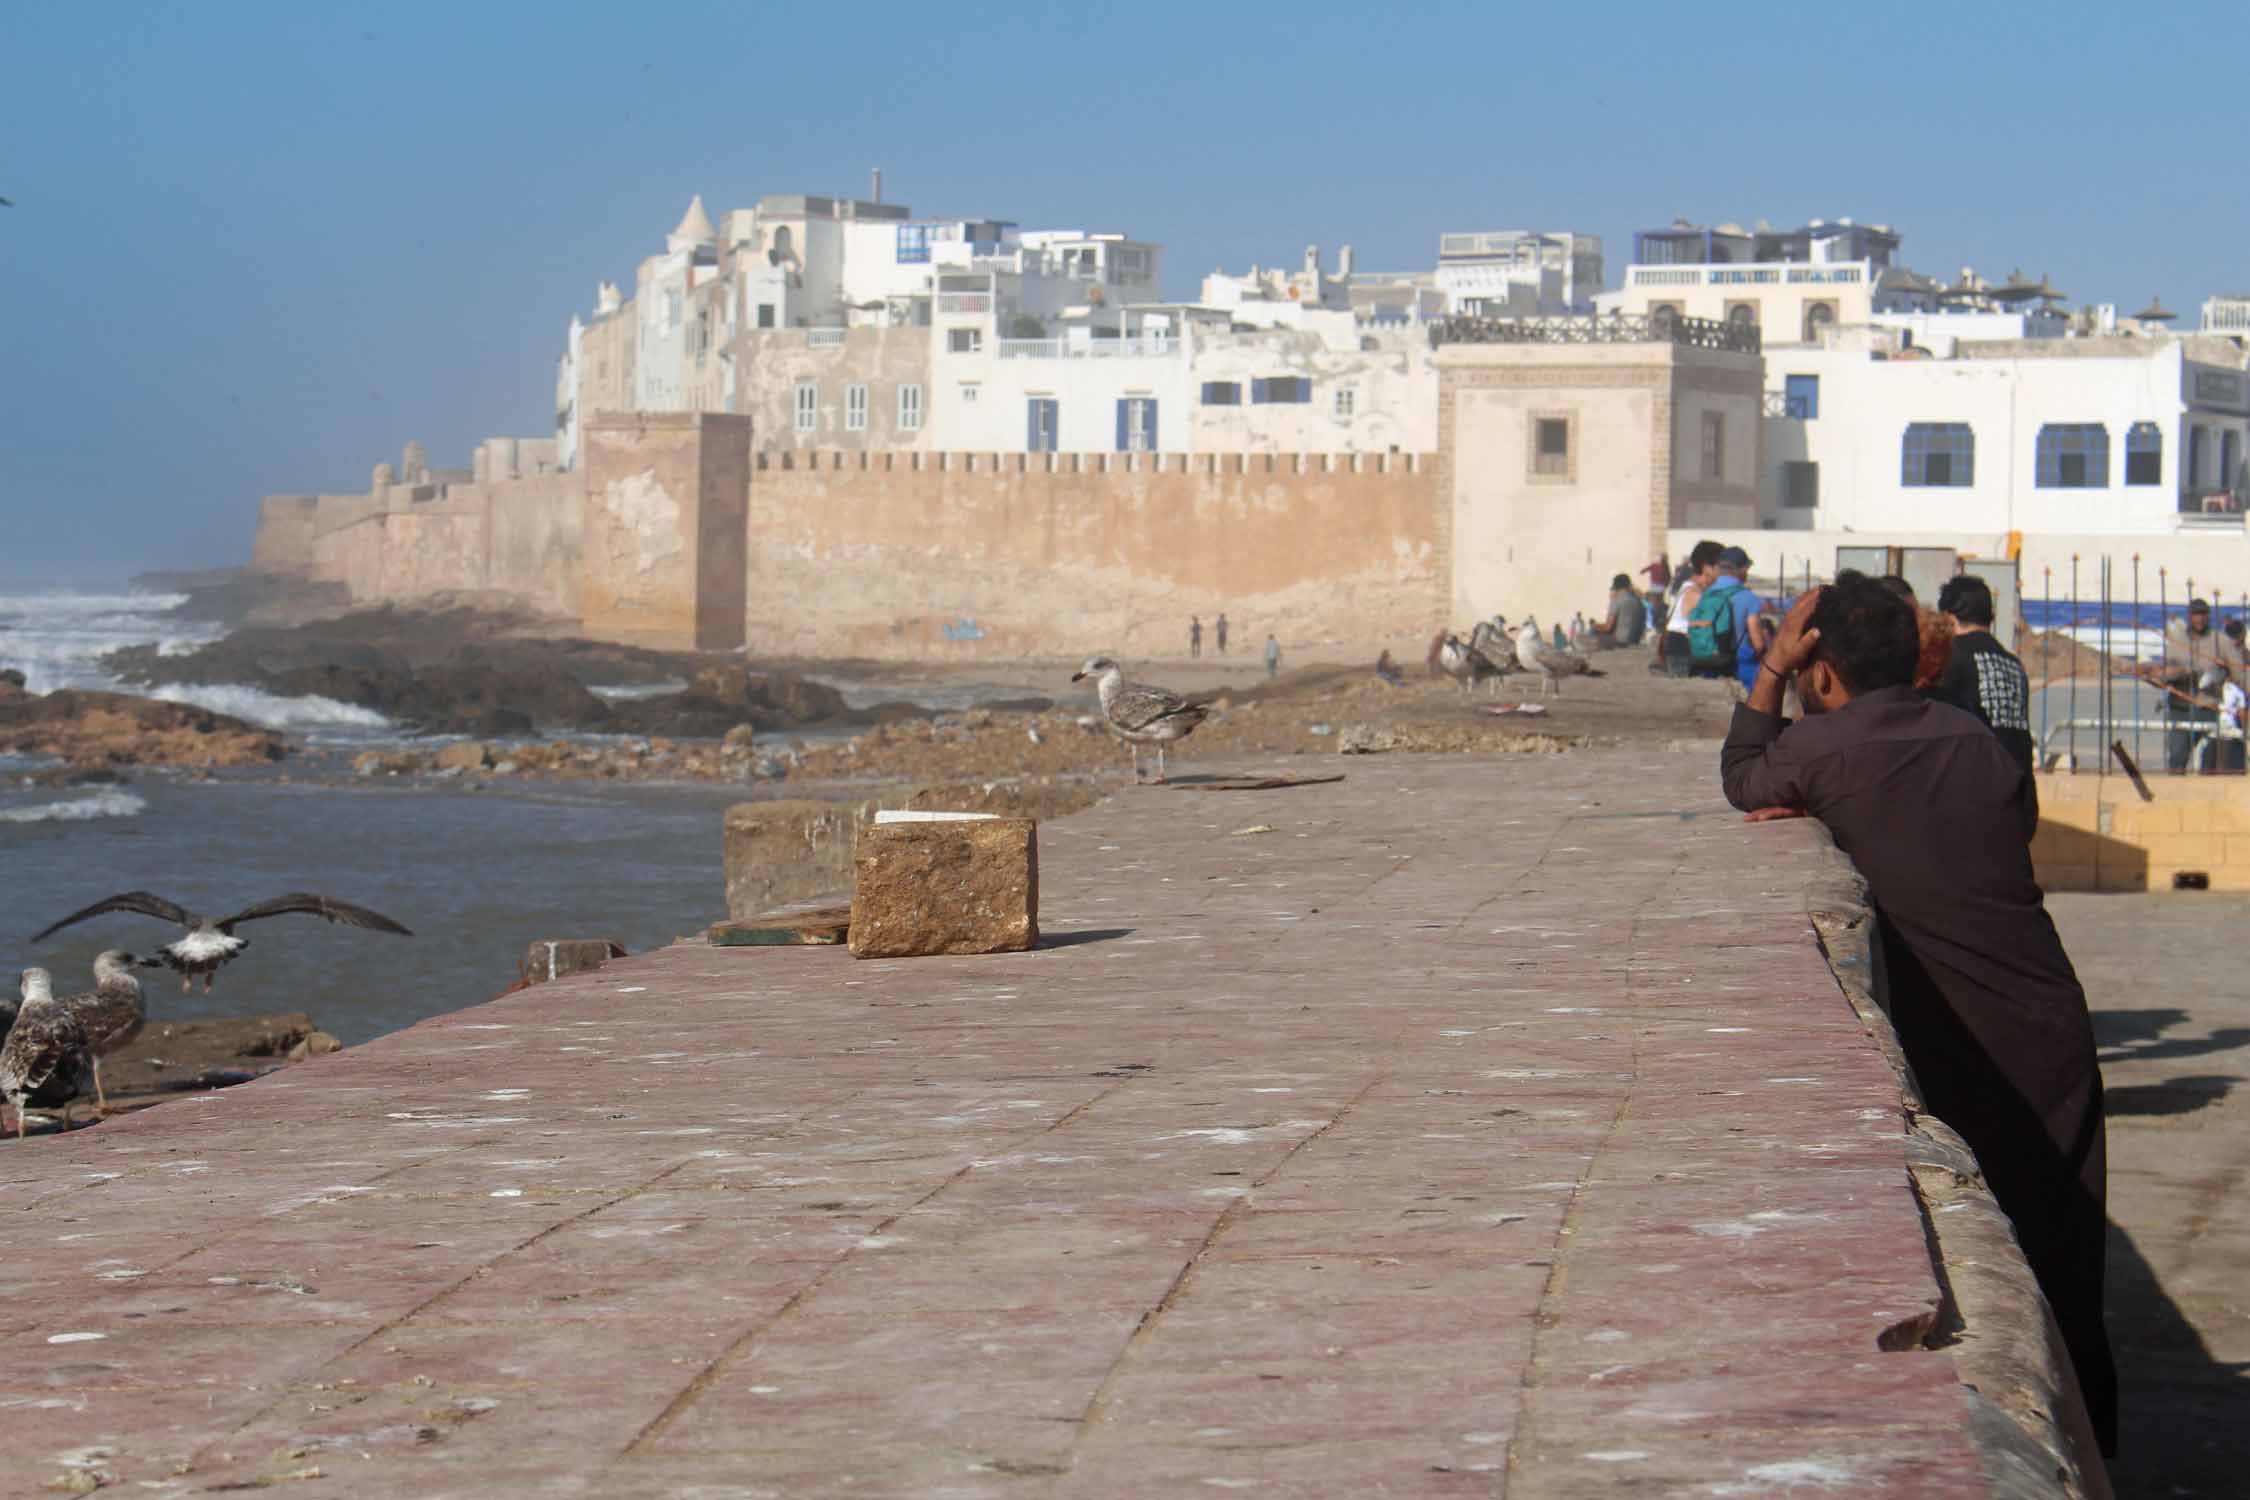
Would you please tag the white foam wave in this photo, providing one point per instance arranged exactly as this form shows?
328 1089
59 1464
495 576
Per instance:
106 803
271 710
614 692
58 640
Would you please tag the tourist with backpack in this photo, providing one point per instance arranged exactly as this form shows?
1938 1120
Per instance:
1675 657
1714 621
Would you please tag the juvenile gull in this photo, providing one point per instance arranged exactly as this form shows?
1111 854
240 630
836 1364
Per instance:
46 1045
1540 655
111 1013
210 942
1140 714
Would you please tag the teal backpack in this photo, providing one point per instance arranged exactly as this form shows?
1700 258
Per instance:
1710 628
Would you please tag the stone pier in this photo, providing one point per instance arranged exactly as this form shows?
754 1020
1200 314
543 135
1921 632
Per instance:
1462 1127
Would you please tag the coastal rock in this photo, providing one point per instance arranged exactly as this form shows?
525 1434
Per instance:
932 888
90 729
555 958
738 740
317 1044
467 755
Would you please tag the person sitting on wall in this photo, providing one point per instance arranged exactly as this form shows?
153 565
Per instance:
1627 620
1938 818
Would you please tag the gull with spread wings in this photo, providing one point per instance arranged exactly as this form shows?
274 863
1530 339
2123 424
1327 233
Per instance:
210 942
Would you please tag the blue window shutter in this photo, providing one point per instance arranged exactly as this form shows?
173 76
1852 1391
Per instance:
1258 392
1031 425
1123 408
1149 420
1304 390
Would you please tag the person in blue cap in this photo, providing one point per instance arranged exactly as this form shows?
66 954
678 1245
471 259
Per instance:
1750 633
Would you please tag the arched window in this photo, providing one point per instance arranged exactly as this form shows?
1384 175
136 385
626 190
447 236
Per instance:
1819 318
2073 456
1743 314
2144 453
1938 455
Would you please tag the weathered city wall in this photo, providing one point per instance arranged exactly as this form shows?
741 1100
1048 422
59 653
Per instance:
1014 554
661 560
2097 833
404 543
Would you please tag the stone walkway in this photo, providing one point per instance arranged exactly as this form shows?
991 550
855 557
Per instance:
1461 1127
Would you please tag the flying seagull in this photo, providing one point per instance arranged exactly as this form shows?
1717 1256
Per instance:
210 942
1139 714
111 1013
1540 655
45 1046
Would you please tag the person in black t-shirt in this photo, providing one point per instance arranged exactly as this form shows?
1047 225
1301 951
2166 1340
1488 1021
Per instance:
1982 675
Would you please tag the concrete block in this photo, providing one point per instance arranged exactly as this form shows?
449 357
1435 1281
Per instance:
2134 818
928 888
2185 851
780 852
552 958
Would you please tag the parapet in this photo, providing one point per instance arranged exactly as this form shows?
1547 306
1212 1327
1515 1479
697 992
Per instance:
912 461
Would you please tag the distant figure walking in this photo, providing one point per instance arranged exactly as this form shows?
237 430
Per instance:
1273 657
1195 635
1219 629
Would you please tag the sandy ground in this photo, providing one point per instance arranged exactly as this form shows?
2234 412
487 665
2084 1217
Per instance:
2173 1020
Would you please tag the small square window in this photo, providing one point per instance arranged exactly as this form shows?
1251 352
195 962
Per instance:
1347 402
910 408
808 407
1553 456
855 408
1800 485
968 395
1714 446
765 315
964 340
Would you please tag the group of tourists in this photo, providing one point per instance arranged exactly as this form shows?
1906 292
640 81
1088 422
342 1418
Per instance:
1219 632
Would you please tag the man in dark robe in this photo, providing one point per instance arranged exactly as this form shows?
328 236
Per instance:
1937 816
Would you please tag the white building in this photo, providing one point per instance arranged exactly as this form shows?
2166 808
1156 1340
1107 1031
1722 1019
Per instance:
1519 273
2080 437
2228 316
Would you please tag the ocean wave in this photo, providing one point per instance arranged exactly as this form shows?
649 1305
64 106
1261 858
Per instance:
614 692
58 640
106 803
271 710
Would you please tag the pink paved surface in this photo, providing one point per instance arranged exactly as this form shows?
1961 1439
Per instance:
1462 1135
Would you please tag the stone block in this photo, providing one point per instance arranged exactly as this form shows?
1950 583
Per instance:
2188 851
929 888
552 958
780 852
466 755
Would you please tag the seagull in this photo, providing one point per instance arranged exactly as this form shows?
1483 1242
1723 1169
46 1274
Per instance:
111 1013
45 1046
1535 652
1139 714
1467 665
210 942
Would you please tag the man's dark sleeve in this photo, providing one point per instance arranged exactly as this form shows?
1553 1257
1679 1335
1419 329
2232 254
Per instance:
1958 685
1756 766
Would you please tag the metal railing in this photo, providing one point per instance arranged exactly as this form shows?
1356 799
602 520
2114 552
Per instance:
1132 348
1611 328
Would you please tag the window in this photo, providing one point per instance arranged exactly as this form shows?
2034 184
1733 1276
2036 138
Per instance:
1743 314
963 340
765 315
2193 478
671 309
2073 456
910 408
1819 318
808 406
855 408
1282 390
1550 449
1347 402
1800 397
1714 445
1800 485
1666 312
1136 424
1938 455
2144 453
1043 417
913 244
1222 393
968 395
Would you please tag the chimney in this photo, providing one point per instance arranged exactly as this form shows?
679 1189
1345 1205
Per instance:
1312 261
1344 263
878 185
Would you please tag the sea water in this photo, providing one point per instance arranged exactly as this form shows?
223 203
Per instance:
478 875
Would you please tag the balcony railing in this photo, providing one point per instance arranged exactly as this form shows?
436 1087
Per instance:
1143 347
824 338
1614 328
1768 273
963 304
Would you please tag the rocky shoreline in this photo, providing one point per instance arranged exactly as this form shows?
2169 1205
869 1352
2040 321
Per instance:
92 731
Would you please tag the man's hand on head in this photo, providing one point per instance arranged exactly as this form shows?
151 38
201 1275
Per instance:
1794 644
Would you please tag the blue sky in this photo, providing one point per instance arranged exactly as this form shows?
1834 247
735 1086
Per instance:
257 246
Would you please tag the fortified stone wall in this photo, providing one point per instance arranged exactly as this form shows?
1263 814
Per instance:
981 554
401 543
661 559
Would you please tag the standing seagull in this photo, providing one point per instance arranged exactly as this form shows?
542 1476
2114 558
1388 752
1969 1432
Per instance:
1139 714
210 942
111 1013
1536 652
46 1045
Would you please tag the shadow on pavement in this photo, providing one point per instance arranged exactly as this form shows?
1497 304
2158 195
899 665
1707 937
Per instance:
2138 1036
1079 935
2174 1096
2181 1430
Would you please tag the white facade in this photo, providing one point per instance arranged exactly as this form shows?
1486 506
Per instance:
2229 316
1520 272
2111 436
